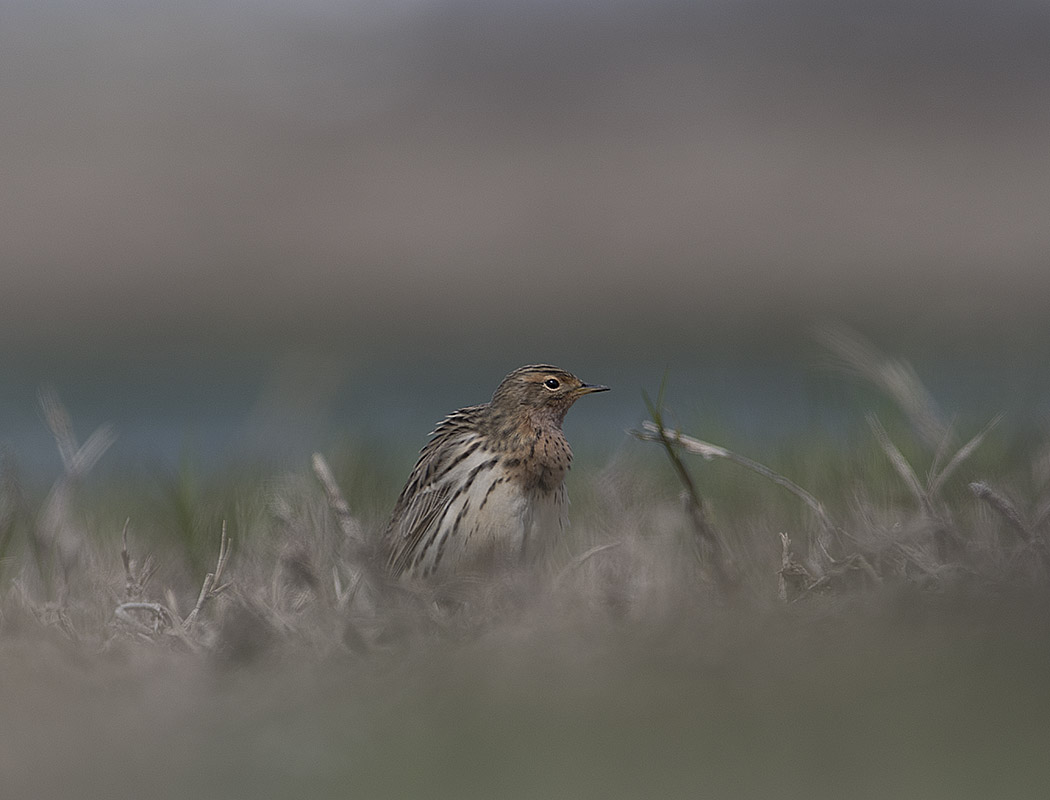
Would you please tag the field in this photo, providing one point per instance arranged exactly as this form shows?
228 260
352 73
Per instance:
863 619
246 233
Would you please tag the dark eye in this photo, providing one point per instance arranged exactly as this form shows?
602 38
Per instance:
551 383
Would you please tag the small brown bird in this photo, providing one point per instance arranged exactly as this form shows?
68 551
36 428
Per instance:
489 485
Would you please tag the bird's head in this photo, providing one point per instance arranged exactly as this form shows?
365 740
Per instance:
541 392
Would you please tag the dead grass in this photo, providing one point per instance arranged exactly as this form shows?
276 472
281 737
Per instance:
758 629
301 566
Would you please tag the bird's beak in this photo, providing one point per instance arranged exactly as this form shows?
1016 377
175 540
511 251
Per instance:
588 388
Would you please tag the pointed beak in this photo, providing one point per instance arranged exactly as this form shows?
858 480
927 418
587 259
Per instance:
588 388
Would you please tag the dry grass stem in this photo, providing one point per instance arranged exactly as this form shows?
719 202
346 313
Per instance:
1014 519
963 453
926 495
163 618
785 561
134 585
347 522
793 579
652 433
581 559
899 462
894 377
76 459
212 586
360 592
708 547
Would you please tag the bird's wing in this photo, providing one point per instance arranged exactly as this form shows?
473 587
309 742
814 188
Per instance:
429 491
410 531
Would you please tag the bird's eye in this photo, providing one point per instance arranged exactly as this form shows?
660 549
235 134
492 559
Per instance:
551 383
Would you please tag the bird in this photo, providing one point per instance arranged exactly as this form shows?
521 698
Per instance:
488 489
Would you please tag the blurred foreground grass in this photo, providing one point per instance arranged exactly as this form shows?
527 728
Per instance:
903 697
890 639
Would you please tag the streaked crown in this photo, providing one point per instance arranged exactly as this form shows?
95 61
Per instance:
541 389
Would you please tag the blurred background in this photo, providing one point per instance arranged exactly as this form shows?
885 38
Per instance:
253 226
